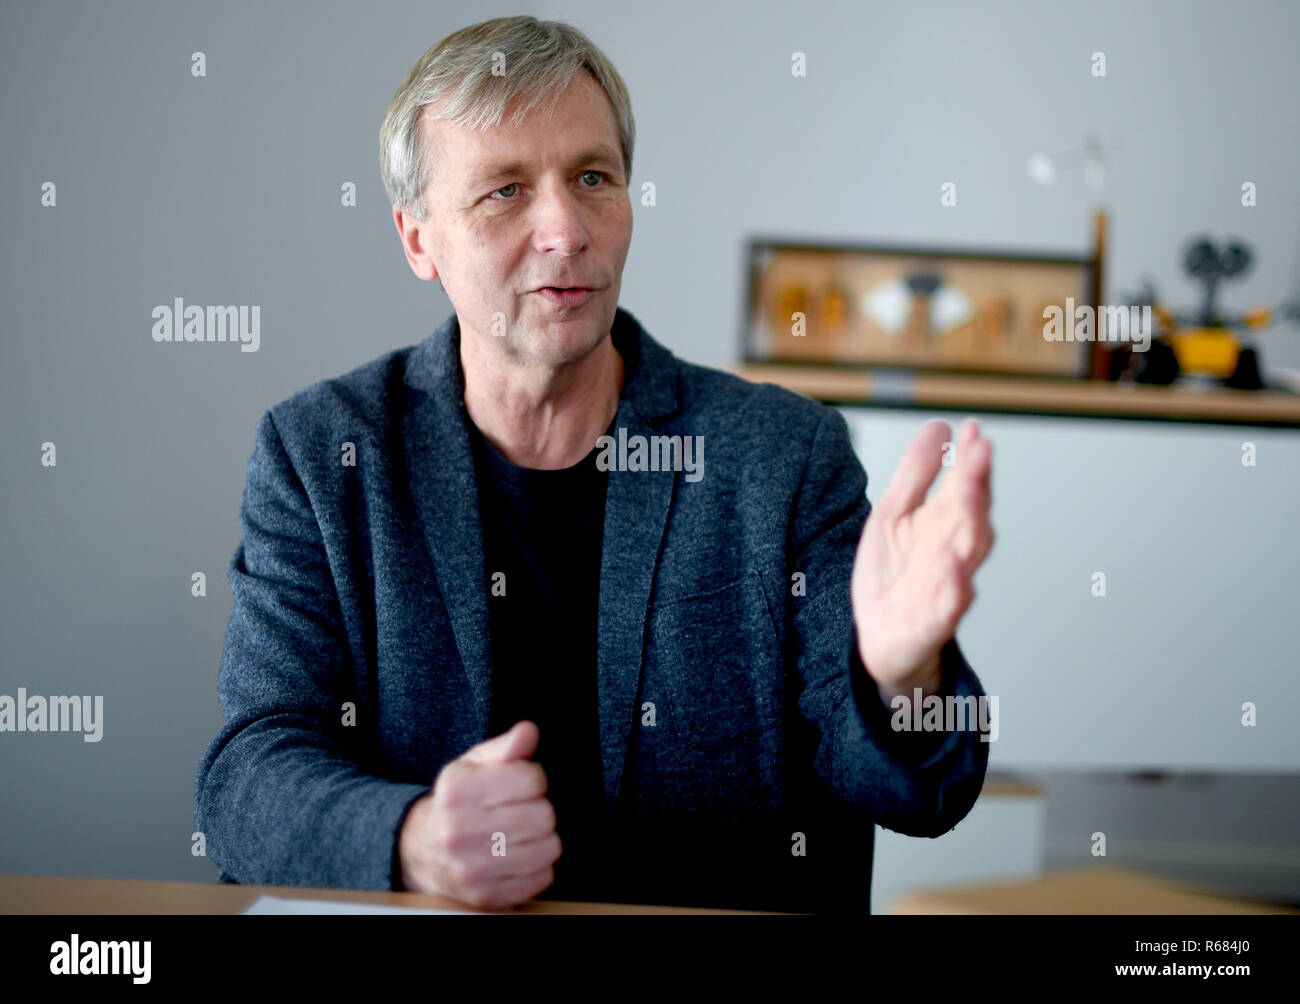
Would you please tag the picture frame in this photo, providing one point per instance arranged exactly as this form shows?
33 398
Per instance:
913 307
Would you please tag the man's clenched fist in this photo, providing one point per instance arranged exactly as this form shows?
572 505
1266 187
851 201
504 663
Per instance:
447 840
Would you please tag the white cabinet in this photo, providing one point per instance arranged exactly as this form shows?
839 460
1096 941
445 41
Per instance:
1201 612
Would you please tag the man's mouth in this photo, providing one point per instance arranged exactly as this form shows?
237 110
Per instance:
566 296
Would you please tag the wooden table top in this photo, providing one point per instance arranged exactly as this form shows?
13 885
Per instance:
1089 890
1101 889
40 894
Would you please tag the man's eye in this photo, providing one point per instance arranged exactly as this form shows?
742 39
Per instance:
600 175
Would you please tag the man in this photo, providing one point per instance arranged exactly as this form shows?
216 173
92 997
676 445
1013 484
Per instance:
504 627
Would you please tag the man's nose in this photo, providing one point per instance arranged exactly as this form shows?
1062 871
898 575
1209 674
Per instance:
560 221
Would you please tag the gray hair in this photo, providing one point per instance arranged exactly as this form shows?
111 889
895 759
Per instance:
541 56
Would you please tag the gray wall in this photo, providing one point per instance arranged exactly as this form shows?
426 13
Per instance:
225 189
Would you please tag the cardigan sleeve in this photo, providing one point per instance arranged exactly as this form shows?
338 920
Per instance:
918 783
283 795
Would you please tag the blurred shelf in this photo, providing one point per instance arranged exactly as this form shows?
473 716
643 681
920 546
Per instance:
1029 395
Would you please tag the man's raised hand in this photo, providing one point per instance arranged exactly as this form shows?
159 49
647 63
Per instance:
916 558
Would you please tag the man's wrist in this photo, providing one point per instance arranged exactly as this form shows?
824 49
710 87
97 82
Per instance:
931 682
408 855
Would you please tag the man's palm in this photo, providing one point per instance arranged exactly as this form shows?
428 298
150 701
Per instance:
914 563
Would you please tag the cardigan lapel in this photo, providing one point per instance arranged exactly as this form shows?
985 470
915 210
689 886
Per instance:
435 436
440 465
636 515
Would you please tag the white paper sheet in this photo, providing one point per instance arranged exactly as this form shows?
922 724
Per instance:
276 905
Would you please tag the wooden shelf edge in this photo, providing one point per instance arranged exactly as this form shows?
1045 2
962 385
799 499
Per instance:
1028 394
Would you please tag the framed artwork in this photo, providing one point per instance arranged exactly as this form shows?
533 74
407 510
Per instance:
919 308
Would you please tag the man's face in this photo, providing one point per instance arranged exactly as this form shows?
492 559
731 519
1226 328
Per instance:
513 210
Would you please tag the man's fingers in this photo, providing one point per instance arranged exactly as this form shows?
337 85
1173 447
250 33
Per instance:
967 530
978 464
519 742
985 465
523 821
953 592
972 458
491 784
916 471
958 514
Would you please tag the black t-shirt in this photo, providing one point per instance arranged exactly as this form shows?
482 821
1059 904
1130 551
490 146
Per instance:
543 529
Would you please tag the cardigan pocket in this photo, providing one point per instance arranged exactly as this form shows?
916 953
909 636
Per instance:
715 655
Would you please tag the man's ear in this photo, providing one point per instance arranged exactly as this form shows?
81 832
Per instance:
413 246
